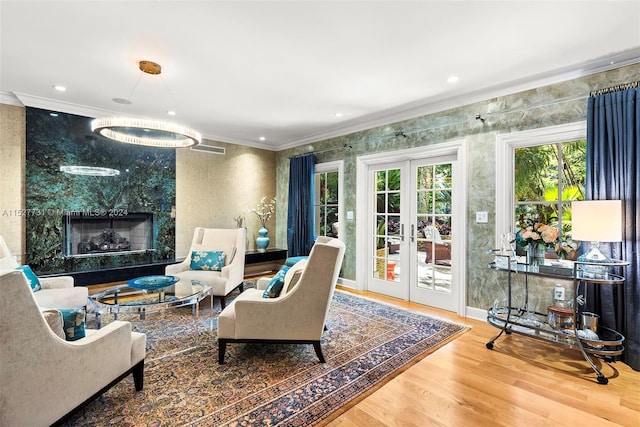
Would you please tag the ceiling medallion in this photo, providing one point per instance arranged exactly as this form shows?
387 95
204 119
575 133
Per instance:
142 131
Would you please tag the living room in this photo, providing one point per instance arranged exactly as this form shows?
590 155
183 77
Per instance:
212 190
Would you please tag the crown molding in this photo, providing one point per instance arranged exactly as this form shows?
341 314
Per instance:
446 102
382 118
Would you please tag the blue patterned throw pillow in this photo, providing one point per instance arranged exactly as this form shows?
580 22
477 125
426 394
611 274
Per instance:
274 287
31 277
207 260
73 323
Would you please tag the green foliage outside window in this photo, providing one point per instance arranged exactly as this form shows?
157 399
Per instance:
326 204
547 179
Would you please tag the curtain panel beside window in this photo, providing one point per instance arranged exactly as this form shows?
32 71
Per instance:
613 155
300 228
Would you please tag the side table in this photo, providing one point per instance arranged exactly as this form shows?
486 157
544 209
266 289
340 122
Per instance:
263 262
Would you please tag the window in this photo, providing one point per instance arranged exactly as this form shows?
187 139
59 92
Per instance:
328 193
539 173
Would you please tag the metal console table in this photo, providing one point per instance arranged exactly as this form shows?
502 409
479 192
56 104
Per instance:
522 321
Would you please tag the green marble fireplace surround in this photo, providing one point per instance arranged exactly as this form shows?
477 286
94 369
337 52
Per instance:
92 203
556 104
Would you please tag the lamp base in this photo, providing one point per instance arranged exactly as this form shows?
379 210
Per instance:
595 256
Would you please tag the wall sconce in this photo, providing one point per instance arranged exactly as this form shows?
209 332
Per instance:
596 221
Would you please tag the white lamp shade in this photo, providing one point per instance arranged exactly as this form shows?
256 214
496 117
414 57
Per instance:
596 220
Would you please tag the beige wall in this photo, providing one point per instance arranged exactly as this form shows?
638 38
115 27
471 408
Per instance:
12 176
212 190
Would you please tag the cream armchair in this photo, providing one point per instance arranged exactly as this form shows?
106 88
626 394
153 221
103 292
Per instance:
297 315
230 241
56 292
43 378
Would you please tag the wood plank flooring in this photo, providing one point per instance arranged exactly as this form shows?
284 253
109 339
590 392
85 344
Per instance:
521 382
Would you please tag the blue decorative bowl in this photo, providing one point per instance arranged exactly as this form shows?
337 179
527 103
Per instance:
151 283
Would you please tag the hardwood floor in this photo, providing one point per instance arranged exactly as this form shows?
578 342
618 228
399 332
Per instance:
521 382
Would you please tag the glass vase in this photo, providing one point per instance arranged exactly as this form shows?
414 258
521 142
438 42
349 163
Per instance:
535 257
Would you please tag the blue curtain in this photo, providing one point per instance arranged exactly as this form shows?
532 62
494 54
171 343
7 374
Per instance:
300 229
613 154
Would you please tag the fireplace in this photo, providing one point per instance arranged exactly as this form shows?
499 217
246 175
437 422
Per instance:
87 234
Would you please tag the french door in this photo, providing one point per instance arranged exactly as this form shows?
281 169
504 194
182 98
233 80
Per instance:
413 231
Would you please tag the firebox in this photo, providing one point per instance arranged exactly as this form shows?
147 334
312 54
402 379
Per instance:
91 234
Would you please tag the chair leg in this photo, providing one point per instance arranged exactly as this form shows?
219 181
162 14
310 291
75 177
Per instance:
222 346
138 375
223 302
316 346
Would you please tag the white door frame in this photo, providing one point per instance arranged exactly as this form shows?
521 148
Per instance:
457 148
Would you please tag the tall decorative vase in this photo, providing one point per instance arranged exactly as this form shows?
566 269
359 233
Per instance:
535 257
262 241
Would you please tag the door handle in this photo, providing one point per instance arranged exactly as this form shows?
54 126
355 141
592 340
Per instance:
402 232
413 237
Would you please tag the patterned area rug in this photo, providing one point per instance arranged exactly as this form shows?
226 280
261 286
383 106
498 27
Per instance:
367 343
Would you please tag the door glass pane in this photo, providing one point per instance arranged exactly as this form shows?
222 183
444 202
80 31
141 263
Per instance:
393 203
434 201
387 233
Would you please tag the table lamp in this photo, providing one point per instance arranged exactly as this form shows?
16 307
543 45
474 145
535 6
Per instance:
596 221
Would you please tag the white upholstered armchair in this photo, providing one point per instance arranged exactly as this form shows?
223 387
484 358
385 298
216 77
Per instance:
56 292
43 377
231 242
297 315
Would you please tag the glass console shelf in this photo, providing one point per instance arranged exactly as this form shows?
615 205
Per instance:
605 343
519 321
565 272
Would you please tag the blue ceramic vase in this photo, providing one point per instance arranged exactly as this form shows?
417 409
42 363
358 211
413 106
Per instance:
262 241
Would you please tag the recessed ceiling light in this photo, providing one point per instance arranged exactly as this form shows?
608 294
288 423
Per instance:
338 114
171 113
121 101
452 79
262 138
59 88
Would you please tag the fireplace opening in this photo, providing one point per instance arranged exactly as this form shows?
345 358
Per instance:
87 234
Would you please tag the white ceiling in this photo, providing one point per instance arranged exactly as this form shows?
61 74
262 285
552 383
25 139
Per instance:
238 70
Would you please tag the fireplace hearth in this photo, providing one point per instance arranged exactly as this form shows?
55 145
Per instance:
87 235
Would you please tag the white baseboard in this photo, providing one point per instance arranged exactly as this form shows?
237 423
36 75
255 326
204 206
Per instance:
351 284
476 313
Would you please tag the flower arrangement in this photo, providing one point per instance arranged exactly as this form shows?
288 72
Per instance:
264 210
566 249
239 221
538 234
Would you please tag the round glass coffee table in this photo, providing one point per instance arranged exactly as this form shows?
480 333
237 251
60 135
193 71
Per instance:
150 294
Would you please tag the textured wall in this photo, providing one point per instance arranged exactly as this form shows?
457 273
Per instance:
213 189
12 154
545 106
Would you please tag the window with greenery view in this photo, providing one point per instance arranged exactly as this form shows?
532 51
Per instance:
326 203
546 179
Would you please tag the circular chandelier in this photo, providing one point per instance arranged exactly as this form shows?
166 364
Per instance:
142 131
